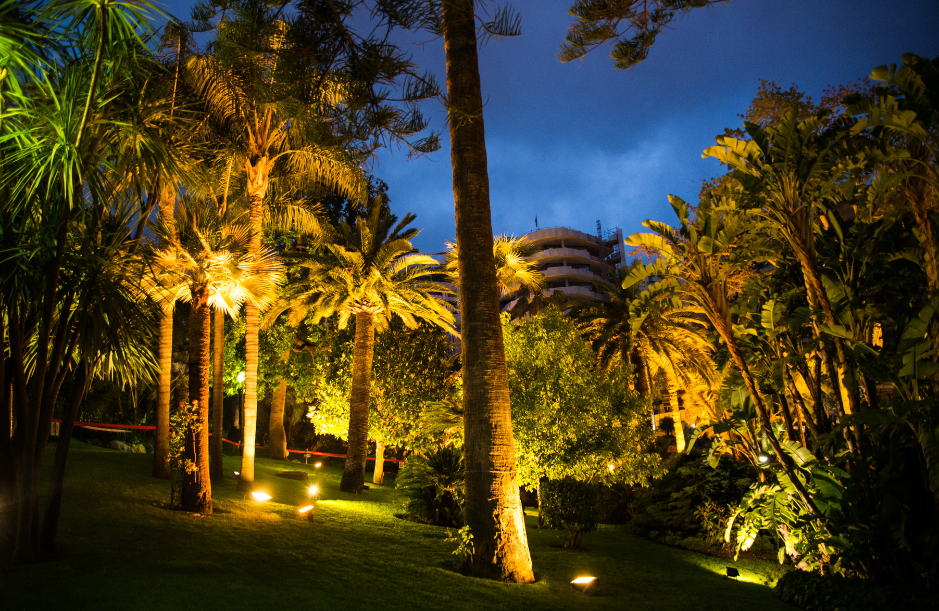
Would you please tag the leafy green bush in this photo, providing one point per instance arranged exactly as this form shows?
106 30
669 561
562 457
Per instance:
570 504
692 502
812 592
435 486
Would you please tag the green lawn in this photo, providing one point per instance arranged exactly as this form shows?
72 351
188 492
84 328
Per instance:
122 550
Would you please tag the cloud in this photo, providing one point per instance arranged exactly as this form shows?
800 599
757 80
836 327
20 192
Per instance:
576 186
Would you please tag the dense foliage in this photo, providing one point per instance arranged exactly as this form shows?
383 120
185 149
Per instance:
570 504
571 416
813 262
812 592
435 486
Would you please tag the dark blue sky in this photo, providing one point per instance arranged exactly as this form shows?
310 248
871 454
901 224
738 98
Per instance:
580 142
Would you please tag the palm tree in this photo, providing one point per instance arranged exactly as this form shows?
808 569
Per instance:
208 265
279 140
654 337
372 273
493 507
698 265
175 46
791 174
77 154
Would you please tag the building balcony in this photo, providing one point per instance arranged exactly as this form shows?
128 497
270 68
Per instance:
578 293
564 271
570 254
570 237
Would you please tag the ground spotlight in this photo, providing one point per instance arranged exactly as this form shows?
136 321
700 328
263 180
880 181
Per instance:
318 465
313 490
306 512
261 496
732 572
586 585
763 458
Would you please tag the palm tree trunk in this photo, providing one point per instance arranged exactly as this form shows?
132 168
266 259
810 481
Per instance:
161 434
257 175
493 507
278 437
353 476
840 374
250 410
671 391
216 470
8 464
378 477
197 488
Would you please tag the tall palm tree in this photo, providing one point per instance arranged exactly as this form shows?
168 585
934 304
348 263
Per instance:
210 266
493 506
181 130
372 273
277 135
655 338
791 174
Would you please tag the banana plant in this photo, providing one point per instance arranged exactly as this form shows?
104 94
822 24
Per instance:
790 174
699 263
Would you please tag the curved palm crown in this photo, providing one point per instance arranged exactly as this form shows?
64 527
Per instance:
210 250
654 337
372 269
514 269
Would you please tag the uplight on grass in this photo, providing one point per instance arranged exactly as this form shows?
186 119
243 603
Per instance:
313 490
318 465
586 585
261 496
306 509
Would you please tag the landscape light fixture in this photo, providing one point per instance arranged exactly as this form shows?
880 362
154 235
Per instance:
306 509
261 496
236 474
732 572
241 377
586 585
318 465
312 490
763 458
306 512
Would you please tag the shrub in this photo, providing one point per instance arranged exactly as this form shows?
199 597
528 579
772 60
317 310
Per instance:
812 592
692 501
435 486
667 425
570 504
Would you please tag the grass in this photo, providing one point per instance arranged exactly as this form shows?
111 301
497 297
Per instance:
122 549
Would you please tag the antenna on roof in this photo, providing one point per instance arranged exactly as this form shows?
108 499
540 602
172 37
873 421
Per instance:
599 232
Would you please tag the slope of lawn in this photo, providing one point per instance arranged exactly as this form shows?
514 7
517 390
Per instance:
121 549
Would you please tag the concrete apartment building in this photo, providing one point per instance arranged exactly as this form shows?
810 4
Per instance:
572 260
